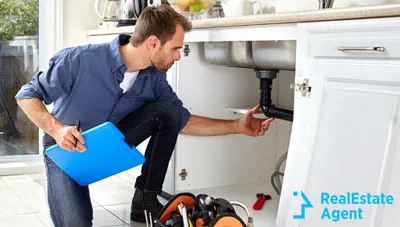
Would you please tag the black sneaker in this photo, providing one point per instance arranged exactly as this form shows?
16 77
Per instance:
145 200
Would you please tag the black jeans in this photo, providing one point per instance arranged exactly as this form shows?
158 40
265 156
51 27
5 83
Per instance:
70 203
161 121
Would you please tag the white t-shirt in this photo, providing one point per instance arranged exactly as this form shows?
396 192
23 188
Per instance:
129 79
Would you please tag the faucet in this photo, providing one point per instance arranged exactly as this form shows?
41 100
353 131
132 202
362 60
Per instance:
323 4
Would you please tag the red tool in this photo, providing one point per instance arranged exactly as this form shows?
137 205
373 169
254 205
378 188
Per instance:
260 201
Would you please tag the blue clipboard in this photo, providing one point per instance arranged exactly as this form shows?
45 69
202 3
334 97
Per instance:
106 154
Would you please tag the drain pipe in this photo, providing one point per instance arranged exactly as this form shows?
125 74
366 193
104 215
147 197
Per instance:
266 77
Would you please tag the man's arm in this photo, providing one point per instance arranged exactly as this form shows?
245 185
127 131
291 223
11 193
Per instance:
248 125
47 87
63 134
203 126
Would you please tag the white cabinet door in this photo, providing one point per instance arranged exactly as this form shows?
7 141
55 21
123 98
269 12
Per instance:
345 136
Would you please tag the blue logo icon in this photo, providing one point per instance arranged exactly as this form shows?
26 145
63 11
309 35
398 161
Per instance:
306 204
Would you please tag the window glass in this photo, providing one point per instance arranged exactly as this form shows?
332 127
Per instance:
18 63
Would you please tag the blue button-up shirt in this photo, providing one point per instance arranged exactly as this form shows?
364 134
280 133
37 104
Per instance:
83 83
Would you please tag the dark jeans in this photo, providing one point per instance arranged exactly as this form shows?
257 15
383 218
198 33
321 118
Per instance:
70 203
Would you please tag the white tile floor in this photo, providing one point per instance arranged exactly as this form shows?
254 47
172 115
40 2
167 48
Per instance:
23 201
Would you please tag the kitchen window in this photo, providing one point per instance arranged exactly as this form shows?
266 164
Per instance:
29 33
19 53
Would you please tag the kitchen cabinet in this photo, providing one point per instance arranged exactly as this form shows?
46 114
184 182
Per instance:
208 90
235 167
345 132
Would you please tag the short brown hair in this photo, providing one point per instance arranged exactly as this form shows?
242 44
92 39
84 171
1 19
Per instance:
160 21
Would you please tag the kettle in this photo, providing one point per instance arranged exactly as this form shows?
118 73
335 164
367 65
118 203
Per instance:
131 10
111 10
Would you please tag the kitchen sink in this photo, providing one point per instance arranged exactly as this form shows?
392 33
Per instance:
272 55
275 54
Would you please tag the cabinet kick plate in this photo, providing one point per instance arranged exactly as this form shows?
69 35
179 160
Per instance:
303 87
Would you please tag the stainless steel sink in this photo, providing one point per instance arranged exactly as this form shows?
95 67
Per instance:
233 54
275 55
252 54
216 52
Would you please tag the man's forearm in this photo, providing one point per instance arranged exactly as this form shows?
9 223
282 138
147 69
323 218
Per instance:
38 114
202 126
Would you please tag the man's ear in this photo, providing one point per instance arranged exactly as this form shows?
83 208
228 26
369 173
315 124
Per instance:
153 42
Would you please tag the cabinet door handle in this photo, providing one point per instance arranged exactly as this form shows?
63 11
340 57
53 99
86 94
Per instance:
378 49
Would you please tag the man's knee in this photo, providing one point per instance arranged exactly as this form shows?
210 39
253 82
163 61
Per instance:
169 114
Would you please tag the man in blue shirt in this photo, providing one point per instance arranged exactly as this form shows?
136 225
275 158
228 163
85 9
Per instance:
123 82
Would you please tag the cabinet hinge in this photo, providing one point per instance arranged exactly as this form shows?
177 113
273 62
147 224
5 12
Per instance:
186 50
183 174
303 87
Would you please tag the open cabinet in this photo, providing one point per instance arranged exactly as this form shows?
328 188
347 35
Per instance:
234 167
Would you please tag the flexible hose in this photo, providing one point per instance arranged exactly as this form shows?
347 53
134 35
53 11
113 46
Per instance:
276 176
250 222
281 160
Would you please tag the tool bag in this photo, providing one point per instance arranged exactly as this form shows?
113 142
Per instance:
198 211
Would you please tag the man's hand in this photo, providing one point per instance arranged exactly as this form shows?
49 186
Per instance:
251 126
248 125
65 137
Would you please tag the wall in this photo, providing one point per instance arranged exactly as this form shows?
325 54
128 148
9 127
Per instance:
78 17
301 5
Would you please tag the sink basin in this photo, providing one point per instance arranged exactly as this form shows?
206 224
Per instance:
275 55
233 54
216 52
252 54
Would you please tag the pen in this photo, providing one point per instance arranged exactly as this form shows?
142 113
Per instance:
78 127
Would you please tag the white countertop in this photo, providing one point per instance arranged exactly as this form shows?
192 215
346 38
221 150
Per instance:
281 18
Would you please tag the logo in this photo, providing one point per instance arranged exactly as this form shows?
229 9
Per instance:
342 207
306 204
